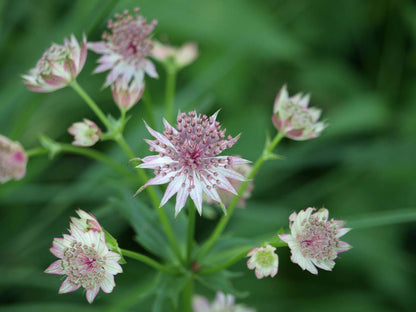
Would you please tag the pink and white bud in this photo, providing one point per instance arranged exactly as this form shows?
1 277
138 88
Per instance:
86 133
221 303
179 56
126 96
264 261
188 160
293 118
86 222
13 160
125 49
227 197
314 241
85 260
58 66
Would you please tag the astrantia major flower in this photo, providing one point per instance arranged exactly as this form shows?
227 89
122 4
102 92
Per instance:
125 49
293 118
86 261
86 133
86 222
264 261
58 67
188 160
222 303
13 160
314 240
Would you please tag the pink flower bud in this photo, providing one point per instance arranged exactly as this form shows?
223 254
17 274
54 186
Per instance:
181 57
293 118
86 133
126 96
13 160
58 67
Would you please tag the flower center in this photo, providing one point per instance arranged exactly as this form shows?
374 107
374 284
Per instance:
83 265
318 240
265 258
129 35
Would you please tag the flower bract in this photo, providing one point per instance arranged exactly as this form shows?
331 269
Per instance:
314 240
178 56
126 96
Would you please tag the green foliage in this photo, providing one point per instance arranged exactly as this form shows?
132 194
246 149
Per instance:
356 58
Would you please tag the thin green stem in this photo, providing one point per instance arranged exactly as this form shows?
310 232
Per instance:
224 221
148 104
187 295
383 218
147 260
74 84
170 93
190 233
154 198
36 152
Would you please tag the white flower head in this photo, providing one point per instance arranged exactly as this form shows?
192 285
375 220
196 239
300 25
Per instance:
86 133
86 261
314 240
264 261
188 160
222 303
58 67
178 56
13 160
293 117
125 49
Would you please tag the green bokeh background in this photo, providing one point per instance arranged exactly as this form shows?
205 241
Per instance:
357 59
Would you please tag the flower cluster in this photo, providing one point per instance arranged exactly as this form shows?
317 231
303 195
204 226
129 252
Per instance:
125 49
85 258
13 160
293 118
58 67
314 240
188 160
222 303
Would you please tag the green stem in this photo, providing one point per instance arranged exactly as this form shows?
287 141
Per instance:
147 260
36 152
222 224
170 93
190 233
383 218
187 295
149 108
74 84
226 264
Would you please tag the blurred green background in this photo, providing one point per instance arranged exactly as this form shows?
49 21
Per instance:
357 59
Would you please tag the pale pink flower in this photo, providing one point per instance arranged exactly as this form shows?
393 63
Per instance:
314 241
126 96
264 261
125 49
58 67
227 197
179 56
293 118
86 222
188 160
86 261
222 303
86 133
13 160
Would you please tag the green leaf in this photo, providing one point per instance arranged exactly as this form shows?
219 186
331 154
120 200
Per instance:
167 291
221 281
113 245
